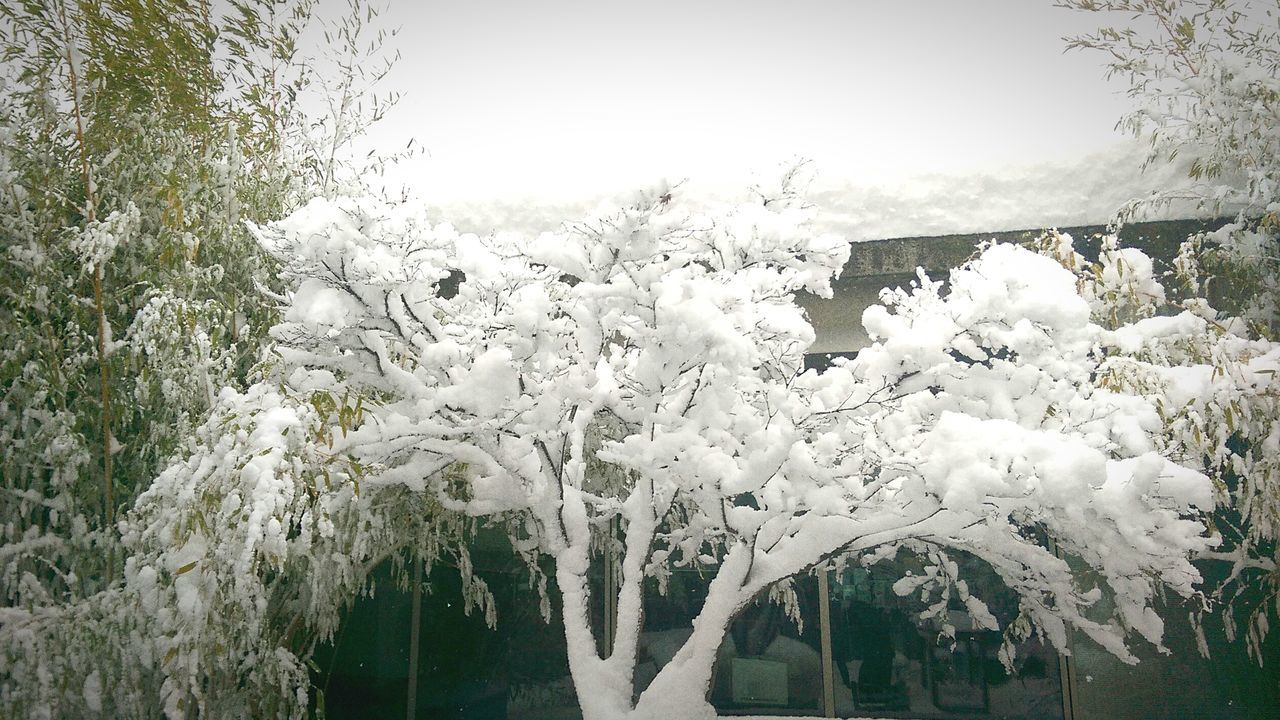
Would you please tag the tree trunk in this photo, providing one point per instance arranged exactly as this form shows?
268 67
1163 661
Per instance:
600 692
640 529
680 688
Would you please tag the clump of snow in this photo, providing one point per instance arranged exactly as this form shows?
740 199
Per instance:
321 308
97 242
92 691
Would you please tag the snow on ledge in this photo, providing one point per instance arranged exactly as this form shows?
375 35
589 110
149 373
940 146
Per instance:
788 717
1087 191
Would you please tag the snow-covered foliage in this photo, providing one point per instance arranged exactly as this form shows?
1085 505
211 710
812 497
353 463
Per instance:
1205 75
241 558
1214 384
1206 79
644 370
243 554
134 139
120 209
88 658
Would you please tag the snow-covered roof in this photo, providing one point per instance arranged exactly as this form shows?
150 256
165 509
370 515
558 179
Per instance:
1088 191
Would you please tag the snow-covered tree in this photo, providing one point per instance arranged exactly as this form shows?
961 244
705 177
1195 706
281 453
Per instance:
1205 78
635 383
135 138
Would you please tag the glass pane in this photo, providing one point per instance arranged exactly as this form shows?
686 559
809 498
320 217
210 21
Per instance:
766 665
667 621
519 670
1226 685
889 664
769 663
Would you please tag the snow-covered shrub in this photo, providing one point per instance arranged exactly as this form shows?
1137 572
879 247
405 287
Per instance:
92 657
1214 383
1205 78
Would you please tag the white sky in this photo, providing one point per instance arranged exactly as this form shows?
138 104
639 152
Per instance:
559 99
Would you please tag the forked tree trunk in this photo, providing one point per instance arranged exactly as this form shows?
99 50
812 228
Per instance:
680 688
603 688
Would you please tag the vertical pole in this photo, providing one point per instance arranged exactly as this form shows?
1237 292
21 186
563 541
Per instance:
610 601
1066 663
610 592
824 631
415 624
1067 676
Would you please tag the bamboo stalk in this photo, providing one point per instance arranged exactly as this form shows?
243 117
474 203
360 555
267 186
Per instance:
104 383
99 304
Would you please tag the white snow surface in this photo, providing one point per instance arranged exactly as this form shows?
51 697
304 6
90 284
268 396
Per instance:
1087 191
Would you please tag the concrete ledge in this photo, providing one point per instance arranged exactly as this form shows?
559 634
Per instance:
943 252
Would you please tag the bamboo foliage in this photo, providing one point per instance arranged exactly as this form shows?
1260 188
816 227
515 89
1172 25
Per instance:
136 138
1205 79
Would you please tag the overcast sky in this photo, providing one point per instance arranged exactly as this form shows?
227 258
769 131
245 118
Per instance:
557 99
